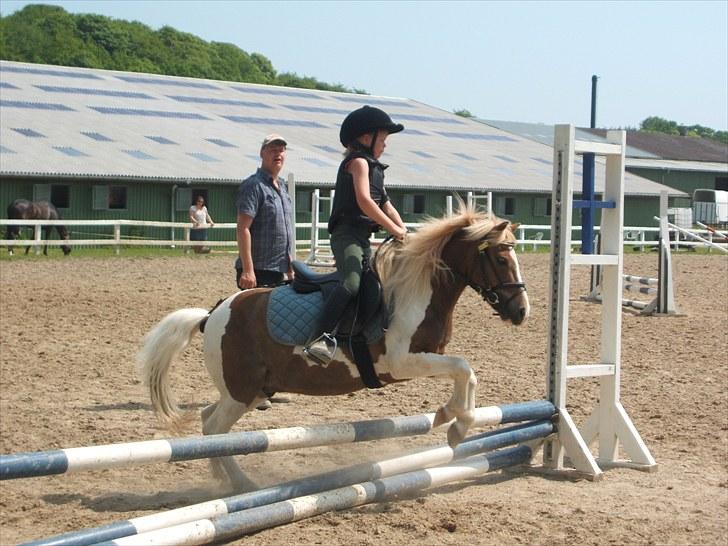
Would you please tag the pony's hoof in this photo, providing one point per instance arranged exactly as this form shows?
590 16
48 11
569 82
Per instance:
456 434
443 415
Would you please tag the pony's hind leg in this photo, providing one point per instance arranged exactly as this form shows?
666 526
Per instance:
219 418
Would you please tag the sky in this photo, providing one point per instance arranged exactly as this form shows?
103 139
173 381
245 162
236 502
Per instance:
516 61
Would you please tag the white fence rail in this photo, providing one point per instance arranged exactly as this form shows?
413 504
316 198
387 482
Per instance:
529 236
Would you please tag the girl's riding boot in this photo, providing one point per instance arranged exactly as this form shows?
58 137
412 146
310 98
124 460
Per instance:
323 348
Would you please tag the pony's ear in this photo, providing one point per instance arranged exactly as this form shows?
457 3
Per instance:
501 226
514 227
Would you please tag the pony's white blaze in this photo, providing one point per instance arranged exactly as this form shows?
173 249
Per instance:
212 342
520 279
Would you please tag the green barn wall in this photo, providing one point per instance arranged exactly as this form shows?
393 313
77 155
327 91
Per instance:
145 201
153 201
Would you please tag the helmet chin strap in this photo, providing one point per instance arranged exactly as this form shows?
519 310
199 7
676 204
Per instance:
375 132
356 143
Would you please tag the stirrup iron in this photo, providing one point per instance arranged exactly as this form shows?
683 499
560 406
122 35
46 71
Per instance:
322 355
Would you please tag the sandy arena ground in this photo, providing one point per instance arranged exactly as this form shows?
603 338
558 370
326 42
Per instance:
70 328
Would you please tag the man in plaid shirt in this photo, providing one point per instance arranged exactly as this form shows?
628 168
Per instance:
265 226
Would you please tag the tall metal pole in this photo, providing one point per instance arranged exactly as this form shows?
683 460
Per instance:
587 194
593 123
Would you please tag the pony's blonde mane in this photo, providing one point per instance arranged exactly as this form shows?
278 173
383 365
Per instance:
407 269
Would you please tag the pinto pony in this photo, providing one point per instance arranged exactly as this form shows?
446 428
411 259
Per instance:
422 280
22 209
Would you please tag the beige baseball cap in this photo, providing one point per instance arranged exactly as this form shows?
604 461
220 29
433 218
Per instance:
273 138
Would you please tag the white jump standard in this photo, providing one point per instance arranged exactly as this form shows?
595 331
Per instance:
609 422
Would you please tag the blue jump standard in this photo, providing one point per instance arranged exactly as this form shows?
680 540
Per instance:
45 463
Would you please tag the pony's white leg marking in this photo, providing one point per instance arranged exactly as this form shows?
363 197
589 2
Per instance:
219 419
212 343
405 322
207 411
225 414
461 405
402 364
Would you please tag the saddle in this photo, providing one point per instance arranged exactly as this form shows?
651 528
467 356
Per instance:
363 309
364 320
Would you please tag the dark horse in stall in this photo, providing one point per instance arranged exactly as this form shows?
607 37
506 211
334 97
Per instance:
22 209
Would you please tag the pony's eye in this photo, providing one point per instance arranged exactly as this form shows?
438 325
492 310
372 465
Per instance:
501 260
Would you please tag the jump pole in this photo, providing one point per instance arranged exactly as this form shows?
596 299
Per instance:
489 441
61 461
696 237
231 526
713 231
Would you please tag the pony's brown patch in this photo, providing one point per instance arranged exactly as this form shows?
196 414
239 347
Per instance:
253 363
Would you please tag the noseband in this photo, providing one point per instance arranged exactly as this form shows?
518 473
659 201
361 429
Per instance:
490 293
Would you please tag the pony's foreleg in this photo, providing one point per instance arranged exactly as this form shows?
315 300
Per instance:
461 405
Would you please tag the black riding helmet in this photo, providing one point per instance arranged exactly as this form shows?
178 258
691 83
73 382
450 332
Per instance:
366 119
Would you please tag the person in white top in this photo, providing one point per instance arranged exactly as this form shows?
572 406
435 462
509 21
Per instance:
200 218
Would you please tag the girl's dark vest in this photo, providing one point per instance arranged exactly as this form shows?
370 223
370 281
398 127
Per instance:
345 209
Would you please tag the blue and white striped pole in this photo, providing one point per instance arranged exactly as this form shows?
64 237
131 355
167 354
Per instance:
488 441
45 463
230 526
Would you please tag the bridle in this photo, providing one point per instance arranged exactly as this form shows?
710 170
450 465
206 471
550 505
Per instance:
490 293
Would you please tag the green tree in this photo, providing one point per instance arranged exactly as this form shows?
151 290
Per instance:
44 34
656 124
49 35
463 113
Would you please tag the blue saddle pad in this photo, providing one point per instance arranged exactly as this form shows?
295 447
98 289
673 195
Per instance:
292 317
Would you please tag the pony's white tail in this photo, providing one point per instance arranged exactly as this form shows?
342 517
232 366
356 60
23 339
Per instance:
160 347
